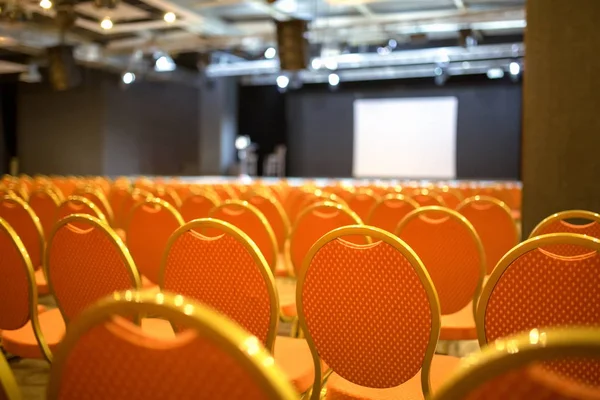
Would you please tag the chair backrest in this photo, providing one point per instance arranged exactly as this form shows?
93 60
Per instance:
390 210
118 196
312 223
273 212
226 271
224 191
9 388
19 215
516 368
451 196
253 223
169 195
105 356
363 202
138 196
346 292
427 198
79 205
85 261
45 202
532 288
494 224
198 204
150 225
451 251
558 223
97 196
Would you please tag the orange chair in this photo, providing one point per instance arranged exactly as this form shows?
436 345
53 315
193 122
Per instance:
312 223
453 254
451 196
45 202
150 225
371 313
19 215
78 205
119 195
27 331
225 192
494 224
252 222
517 368
363 202
198 204
86 261
229 273
169 195
389 211
97 197
558 223
105 356
138 196
9 388
427 198
273 212
532 288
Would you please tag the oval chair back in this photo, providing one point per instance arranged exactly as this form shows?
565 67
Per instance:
314 222
427 198
226 271
532 288
97 196
273 212
494 224
225 192
45 202
85 262
150 225
118 196
198 204
346 292
169 195
451 251
105 356
253 223
451 196
558 223
79 205
362 202
138 196
516 368
390 210
19 215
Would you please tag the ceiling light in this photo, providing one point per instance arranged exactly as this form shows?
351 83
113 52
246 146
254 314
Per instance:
270 53
242 142
495 73
164 63
46 4
392 43
334 79
383 51
128 78
514 68
169 17
316 63
331 64
106 23
283 81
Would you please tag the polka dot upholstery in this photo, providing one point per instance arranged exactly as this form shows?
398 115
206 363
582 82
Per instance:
116 360
45 205
253 223
197 206
222 273
560 226
27 226
494 225
274 213
362 203
374 328
539 289
387 213
450 250
15 287
150 226
314 223
84 265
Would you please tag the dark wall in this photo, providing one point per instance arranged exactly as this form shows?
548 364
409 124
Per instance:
320 124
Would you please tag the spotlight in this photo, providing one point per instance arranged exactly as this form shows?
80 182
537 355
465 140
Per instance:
46 4
316 63
242 142
164 62
331 64
270 53
170 17
106 23
283 81
128 78
514 68
334 79
392 43
383 51
495 73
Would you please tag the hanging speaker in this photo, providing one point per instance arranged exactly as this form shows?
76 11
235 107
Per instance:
292 44
64 73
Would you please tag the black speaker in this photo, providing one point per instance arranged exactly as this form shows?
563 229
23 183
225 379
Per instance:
64 73
292 44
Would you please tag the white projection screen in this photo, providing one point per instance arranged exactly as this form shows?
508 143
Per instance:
405 138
